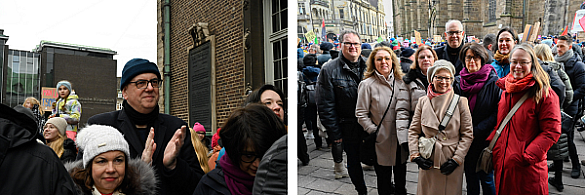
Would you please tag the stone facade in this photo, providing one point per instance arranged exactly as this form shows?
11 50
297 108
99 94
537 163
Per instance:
480 17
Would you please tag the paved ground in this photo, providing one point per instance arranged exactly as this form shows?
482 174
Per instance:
317 178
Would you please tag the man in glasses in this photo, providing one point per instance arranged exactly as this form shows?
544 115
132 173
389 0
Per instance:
156 138
336 99
454 35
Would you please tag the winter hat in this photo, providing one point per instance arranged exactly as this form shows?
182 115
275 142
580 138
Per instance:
198 127
326 46
407 52
215 138
59 123
135 67
64 83
97 139
366 46
440 65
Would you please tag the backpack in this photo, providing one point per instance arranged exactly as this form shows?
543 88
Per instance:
301 90
310 91
557 66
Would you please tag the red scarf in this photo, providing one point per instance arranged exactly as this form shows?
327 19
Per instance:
431 92
512 85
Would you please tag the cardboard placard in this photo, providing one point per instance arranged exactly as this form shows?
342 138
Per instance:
48 97
417 37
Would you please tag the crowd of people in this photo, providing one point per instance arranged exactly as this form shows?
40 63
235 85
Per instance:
138 150
442 106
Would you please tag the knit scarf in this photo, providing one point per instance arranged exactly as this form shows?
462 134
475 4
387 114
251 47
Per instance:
503 59
138 118
237 181
567 56
431 93
472 83
512 85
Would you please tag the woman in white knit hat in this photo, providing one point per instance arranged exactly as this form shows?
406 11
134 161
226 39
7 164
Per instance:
54 133
440 169
106 167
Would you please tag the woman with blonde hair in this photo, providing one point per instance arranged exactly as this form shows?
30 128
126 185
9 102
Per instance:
34 105
54 133
383 107
519 153
201 151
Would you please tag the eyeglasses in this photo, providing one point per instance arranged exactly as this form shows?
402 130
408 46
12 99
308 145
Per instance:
440 78
468 58
451 33
249 157
348 44
523 63
143 84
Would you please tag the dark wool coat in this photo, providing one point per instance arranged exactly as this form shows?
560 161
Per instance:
69 152
213 183
187 172
26 166
519 155
576 71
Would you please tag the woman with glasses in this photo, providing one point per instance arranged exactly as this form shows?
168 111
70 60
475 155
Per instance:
519 153
68 107
416 78
442 171
383 85
477 82
246 136
506 40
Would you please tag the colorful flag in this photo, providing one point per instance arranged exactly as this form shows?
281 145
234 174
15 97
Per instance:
323 32
565 31
582 23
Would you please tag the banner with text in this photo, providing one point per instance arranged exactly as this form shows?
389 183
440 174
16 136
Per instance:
48 97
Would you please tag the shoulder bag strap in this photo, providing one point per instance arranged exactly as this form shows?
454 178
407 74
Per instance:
507 119
449 112
387 108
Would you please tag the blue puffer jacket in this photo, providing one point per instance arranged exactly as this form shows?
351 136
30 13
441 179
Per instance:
576 71
501 69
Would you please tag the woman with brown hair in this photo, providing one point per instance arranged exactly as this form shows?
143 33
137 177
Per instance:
382 86
416 78
519 153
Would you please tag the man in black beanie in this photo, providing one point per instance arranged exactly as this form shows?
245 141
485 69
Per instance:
326 56
406 59
157 138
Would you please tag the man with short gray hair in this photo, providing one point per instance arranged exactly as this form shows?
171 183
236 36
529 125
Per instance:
454 35
336 100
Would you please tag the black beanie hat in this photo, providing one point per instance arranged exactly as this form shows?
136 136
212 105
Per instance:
135 67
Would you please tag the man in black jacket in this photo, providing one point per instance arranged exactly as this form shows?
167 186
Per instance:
166 148
336 99
576 71
26 166
454 35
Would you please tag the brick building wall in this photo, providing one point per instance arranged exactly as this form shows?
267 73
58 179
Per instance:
225 19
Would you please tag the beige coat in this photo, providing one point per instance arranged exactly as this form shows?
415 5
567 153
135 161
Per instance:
416 91
452 143
373 98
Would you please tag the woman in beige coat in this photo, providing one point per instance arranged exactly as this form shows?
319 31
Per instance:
383 80
442 173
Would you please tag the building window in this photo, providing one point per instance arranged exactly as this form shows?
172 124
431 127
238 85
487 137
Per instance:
341 13
276 44
492 11
302 9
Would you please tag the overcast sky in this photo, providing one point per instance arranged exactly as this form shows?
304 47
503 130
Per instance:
128 27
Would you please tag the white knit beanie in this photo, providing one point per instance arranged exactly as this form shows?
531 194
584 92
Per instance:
97 139
59 123
440 65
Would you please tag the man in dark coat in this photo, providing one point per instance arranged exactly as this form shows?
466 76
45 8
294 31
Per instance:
26 166
454 35
406 59
336 99
576 71
326 56
174 159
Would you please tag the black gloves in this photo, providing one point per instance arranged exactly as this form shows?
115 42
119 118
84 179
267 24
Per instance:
423 163
449 166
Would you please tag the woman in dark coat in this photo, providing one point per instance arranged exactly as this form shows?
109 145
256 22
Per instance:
246 136
477 82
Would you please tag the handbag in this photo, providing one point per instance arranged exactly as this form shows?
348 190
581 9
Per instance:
368 145
485 163
426 145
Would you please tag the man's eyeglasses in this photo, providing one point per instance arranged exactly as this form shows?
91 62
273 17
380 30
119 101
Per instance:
440 78
348 44
249 157
451 33
143 84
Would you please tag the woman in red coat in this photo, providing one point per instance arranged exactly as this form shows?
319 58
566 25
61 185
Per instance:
520 151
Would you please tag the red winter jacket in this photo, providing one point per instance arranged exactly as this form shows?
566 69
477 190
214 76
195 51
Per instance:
519 155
